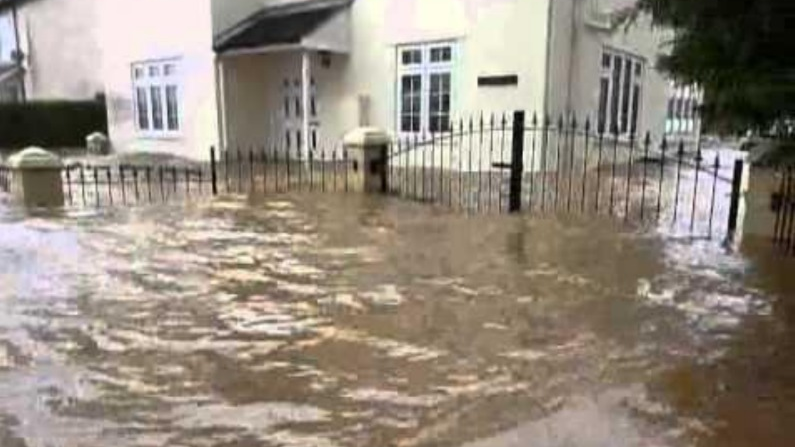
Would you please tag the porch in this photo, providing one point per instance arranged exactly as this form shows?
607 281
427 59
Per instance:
280 76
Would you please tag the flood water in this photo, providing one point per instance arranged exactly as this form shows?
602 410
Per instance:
335 320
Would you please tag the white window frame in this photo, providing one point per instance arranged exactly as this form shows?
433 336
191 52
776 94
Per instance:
634 108
161 82
683 117
425 69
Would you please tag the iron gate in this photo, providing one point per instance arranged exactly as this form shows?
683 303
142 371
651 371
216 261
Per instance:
506 163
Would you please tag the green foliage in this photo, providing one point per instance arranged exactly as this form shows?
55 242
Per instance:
740 51
50 123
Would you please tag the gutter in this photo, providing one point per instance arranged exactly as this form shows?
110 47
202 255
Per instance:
548 58
19 56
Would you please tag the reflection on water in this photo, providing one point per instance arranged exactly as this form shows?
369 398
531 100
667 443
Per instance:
348 321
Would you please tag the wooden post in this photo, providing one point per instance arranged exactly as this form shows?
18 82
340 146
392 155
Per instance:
213 174
517 163
734 206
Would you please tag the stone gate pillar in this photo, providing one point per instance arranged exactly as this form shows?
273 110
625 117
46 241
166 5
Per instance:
368 151
36 178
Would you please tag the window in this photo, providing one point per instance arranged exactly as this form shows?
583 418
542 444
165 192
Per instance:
156 97
425 95
683 106
620 93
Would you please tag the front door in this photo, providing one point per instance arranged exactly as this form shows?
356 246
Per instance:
293 115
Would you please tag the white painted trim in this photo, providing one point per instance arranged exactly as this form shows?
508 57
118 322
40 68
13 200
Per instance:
262 50
424 69
161 82
306 76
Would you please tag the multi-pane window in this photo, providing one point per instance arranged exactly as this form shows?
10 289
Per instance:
620 92
156 96
683 106
425 79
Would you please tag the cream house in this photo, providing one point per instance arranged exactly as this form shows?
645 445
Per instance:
50 49
183 75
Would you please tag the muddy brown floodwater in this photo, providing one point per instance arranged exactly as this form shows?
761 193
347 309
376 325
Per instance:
347 321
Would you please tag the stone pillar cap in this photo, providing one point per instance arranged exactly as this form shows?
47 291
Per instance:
35 158
366 136
96 136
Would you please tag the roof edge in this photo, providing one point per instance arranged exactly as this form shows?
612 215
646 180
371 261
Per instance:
273 10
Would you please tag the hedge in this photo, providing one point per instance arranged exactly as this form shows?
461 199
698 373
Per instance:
50 123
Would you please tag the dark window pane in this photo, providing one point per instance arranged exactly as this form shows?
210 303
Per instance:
157 108
314 139
671 102
616 81
441 54
298 111
604 87
638 69
606 60
625 95
172 109
313 106
635 108
143 108
298 139
286 107
405 123
409 57
287 140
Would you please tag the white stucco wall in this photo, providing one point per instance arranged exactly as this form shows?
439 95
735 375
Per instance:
141 30
494 37
60 38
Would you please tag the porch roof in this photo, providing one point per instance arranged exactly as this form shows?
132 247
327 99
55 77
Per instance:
279 25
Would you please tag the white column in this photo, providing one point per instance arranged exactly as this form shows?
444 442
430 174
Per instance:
306 78
220 99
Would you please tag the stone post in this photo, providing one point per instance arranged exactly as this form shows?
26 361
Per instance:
36 178
368 151
761 201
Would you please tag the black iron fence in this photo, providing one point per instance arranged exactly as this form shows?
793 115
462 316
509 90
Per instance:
236 171
5 178
276 169
503 163
487 164
784 206
130 184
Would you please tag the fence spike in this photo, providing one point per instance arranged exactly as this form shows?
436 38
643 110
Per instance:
587 136
646 144
695 190
629 175
162 189
716 167
680 156
663 148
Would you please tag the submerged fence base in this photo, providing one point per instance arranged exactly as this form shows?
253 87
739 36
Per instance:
502 164
489 164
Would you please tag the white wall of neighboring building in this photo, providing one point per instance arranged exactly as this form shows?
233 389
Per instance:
60 40
493 37
144 30
576 52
